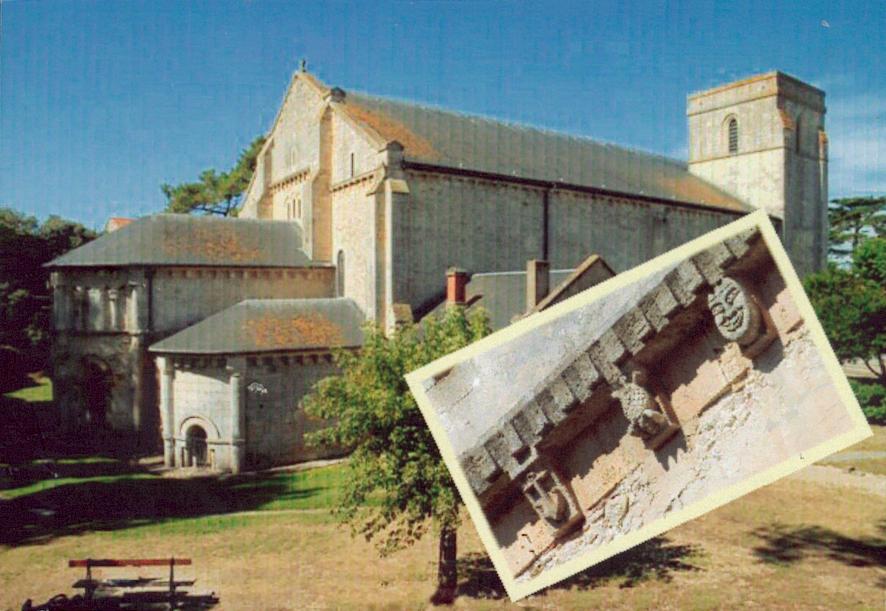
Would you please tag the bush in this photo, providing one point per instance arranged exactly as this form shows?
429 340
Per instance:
872 398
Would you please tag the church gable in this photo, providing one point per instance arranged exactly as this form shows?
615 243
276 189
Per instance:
292 149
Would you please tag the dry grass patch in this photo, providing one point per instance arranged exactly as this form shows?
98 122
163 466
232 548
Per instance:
793 544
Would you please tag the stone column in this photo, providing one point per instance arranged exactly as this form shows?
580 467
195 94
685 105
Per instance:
80 302
137 349
59 299
167 408
238 420
113 310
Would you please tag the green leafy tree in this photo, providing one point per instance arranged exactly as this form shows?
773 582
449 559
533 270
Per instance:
851 304
398 485
214 192
852 220
25 302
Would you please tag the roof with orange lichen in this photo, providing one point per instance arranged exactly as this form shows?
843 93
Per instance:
271 325
442 138
180 239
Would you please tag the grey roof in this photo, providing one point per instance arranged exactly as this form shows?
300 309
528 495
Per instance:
502 294
444 138
181 239
271 325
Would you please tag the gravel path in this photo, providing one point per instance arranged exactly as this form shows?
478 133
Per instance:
851 456
835 476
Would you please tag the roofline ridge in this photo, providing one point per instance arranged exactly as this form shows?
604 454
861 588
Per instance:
513 124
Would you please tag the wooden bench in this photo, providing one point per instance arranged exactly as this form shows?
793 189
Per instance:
140 589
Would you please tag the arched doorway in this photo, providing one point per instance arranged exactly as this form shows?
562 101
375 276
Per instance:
195 442
96 386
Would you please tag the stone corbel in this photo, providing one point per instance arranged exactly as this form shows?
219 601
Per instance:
740 317
550 496
647 420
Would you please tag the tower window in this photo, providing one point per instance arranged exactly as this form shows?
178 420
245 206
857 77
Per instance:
352 165
733 135
298 208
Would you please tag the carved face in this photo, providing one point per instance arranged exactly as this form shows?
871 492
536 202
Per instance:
735 314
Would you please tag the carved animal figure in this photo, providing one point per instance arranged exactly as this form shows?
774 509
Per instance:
640 408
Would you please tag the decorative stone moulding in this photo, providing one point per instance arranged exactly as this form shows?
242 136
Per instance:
608 369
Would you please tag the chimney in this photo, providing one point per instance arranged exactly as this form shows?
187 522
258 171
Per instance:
456 281
538 282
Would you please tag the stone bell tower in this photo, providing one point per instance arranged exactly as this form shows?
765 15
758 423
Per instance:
763 140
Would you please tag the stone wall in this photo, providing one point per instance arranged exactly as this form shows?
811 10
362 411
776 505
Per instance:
248 406
354 235
184 296
781 161
294 145
490 226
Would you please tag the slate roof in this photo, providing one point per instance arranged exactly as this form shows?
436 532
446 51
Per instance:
443 138
271 325
181 239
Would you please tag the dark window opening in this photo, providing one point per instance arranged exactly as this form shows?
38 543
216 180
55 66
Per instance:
733 136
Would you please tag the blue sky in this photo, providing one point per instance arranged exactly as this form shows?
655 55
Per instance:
102 102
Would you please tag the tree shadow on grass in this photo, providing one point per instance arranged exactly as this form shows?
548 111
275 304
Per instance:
656 559
138 499
790 544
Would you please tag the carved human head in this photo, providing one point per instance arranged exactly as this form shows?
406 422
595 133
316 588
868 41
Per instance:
735 314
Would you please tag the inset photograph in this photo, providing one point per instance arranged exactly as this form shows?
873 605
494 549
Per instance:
638 404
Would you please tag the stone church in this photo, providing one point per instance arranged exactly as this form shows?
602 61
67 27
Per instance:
204 333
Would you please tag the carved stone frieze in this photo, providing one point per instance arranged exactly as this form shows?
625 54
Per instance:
512 447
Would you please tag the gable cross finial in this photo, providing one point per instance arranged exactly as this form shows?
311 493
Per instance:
303 65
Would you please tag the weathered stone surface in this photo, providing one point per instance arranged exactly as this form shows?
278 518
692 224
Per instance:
685 281
612 348
658 306
531 423
711 262
633 330
507 449
480 469
735 314
581 377
557 400
610 372
741 243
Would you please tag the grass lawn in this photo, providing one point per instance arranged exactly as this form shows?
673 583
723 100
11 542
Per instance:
267 541
41 392
791 545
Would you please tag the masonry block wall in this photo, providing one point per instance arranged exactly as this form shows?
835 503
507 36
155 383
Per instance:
248 407
105 319
449 220
780 161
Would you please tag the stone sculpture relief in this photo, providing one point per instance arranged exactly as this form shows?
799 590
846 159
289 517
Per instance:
640 408
735 314
548 496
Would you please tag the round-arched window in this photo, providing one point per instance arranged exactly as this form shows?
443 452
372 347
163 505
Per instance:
732 135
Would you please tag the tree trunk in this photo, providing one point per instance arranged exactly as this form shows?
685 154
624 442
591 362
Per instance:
447 574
